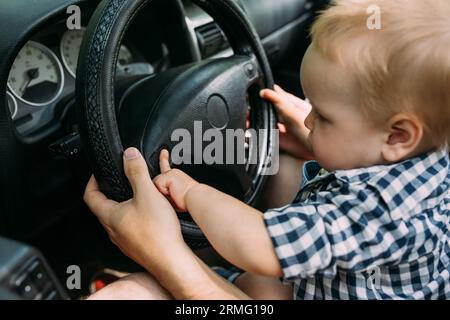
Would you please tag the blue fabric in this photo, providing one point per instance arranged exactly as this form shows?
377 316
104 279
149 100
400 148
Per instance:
311 170
230 274
381 232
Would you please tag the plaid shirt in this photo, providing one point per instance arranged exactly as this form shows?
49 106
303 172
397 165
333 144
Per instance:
376 233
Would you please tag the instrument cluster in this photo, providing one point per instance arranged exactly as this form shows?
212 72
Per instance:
44 71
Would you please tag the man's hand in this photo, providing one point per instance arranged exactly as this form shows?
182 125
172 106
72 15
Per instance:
173 183
292 112
142 227
147 230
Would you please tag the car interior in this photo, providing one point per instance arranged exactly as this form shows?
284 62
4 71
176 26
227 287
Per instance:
47 82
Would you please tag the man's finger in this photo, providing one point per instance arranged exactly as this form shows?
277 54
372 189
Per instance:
137 173
97 202
164 163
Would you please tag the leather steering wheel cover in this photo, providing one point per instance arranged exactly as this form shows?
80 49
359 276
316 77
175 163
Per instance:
95 94
95 86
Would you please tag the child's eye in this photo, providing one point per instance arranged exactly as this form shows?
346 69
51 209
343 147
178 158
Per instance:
320 117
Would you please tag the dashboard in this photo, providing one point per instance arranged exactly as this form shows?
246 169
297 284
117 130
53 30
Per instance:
38 75
44 71
42 76
41 81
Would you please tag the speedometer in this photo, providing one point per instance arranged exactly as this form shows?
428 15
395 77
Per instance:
36 76
70 49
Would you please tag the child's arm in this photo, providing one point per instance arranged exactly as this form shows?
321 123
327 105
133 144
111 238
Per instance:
234 229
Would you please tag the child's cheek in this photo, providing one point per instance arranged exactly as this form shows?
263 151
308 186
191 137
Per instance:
318 142
310 139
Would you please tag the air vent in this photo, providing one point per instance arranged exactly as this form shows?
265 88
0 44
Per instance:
211 39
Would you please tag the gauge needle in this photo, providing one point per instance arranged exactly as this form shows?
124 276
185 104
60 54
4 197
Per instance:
31 75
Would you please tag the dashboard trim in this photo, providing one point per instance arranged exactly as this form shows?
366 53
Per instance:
191 28
16 108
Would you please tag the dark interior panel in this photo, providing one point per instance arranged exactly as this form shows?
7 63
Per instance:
268 15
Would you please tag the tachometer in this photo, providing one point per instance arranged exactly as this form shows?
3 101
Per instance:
70 49
36 76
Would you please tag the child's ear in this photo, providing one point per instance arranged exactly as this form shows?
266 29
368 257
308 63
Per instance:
404 134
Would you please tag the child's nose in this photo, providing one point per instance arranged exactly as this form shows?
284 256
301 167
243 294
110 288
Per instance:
309 121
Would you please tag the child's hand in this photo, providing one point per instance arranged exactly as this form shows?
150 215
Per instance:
292 112
173 183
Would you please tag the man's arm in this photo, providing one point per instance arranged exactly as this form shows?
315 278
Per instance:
187 277
234 229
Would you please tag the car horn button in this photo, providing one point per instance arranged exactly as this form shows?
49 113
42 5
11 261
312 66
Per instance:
218 113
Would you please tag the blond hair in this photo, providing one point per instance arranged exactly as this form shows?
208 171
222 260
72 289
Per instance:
403 67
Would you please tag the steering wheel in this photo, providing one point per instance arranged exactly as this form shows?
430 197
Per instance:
219 94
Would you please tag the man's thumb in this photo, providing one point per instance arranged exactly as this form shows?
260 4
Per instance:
136 171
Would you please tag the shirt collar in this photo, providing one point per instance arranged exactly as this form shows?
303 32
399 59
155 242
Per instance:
404 185
439 158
